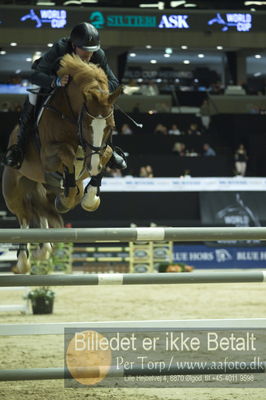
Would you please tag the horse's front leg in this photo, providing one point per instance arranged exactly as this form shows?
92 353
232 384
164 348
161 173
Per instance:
65 201
91 199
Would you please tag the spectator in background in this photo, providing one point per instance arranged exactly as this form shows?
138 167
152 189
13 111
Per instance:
216 88
150 89
241 159
116 173
193 129
180 149
186 174
174 130
149 171
113 173
142 172
126 130
5 106
160 129
146 172
191 153
205 113
208 150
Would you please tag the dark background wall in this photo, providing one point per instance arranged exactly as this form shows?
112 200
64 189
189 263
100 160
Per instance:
225 133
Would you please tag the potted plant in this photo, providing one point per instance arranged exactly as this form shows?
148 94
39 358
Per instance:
174 267
42 300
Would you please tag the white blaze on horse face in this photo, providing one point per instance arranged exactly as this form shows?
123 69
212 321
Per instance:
98 125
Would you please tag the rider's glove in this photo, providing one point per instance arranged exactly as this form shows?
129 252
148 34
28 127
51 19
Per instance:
56 82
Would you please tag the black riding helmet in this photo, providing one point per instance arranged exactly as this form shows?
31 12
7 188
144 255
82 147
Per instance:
85 36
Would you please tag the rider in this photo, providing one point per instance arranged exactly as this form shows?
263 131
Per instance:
84 41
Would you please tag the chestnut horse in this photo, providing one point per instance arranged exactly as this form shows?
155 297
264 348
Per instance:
73 131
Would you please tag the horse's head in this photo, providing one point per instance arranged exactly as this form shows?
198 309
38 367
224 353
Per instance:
93 104
96 123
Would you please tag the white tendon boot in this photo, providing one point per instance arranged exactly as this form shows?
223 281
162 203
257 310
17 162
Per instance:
91 200
23 263
43 252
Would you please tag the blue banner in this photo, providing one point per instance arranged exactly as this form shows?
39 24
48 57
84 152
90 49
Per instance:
203 256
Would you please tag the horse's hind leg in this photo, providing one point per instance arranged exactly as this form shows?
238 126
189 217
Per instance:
15 193
23 263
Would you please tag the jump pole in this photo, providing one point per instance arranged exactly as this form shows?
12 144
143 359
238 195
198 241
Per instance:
58 328
62 373
89 235
133 279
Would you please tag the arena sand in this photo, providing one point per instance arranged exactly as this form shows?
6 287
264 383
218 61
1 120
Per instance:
123 303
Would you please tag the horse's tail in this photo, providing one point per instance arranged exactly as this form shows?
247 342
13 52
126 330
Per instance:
41 205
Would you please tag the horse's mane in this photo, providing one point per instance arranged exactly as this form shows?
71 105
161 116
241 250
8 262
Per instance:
87 76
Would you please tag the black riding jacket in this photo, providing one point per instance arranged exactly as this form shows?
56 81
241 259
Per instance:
46 67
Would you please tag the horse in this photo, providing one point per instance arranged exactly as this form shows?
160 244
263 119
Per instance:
71 145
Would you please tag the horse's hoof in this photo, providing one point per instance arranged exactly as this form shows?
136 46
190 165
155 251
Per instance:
22 267
91 208
43 252
15 270
59 206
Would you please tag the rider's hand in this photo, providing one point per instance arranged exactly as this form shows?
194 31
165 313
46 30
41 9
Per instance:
61 82
64 80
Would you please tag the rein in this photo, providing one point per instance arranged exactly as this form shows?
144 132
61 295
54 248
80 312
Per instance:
60 113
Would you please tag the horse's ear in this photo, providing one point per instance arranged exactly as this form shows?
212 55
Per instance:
112 97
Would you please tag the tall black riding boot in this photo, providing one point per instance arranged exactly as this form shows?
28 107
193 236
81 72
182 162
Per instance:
118 159
15 153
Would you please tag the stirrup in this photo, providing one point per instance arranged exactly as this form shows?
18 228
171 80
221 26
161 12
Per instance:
14 156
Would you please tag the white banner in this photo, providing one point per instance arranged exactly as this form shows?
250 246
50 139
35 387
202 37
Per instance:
130 184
